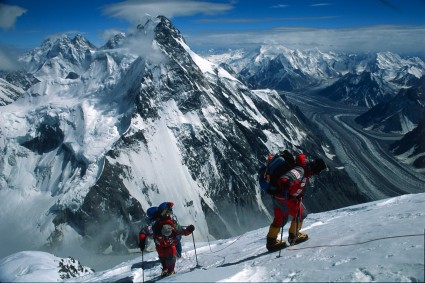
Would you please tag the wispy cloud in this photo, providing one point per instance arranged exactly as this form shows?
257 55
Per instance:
279 6
9 14
108 33
9 58
406 40
320 4
134 10
255 20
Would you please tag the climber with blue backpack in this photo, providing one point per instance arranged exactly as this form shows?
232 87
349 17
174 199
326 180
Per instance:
154 214
285 178
166 233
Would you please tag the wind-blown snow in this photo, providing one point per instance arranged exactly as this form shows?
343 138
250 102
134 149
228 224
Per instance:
378 241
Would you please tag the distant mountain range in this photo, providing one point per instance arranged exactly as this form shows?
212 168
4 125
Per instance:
356 79
389 85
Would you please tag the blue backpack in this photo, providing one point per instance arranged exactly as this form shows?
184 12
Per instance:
155 212
270 173
152 213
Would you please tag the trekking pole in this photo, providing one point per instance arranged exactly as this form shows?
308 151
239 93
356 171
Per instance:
196 256
298 223
285 219
281 236
209 243
143 268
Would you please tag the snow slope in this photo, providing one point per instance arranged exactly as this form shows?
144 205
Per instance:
378 241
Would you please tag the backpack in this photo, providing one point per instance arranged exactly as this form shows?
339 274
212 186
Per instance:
152 213
275 167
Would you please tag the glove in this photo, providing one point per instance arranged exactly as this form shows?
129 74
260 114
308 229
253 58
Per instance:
190 229
142 245
142 242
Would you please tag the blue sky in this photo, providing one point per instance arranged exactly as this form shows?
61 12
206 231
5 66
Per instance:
339 25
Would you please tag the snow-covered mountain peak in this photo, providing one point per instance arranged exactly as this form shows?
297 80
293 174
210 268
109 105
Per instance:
59 46
390 66
160 26
62 56
386 59
81 42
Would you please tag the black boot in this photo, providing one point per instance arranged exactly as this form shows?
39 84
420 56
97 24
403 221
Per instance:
274 245
293 240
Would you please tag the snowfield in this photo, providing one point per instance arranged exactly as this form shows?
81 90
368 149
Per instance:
380 241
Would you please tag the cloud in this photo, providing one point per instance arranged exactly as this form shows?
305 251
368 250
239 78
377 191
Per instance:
320 5
9 14
132 10
255 20
406 40
109 33
9 58
279 6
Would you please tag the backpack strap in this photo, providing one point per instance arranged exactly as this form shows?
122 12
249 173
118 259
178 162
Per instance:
266 173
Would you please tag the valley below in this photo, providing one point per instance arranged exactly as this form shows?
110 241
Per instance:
363 154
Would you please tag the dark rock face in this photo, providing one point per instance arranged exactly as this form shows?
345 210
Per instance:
20 79
109 216
49 137
72 76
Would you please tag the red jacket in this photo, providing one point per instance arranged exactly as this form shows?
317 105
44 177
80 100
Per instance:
164 241
166 234
169 240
